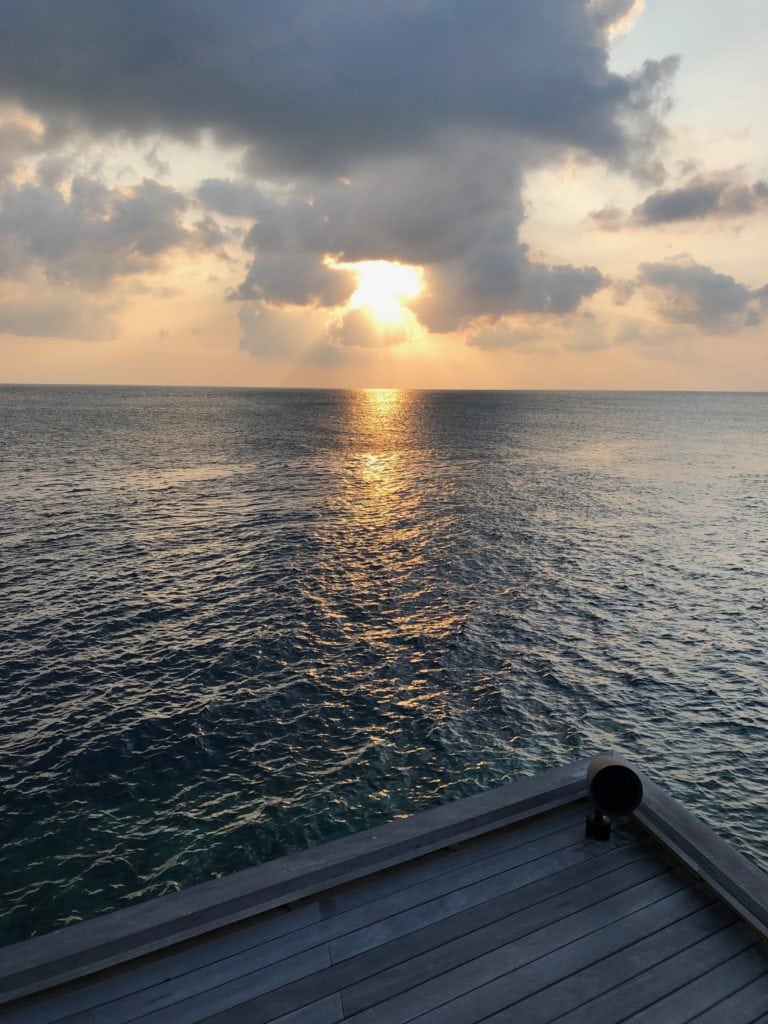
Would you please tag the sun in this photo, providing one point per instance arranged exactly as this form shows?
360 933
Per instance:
383 287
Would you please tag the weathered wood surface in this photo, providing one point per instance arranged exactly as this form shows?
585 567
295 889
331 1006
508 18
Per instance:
520 918
530 923
112 939
737 880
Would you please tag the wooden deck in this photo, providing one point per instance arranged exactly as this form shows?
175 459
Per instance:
519 919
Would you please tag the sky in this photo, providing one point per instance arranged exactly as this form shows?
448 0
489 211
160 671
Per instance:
400 193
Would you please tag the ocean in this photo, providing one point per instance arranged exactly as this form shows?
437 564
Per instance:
236 623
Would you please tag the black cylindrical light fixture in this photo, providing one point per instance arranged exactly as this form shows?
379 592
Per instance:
615 789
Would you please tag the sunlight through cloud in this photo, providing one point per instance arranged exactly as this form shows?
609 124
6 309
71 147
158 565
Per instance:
383 288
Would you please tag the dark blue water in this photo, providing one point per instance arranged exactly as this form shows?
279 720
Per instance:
235 623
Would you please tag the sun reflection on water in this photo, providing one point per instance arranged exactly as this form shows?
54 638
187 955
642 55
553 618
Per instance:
377 548
379 422
380 405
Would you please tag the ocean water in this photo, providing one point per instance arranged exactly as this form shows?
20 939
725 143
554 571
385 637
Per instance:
235 623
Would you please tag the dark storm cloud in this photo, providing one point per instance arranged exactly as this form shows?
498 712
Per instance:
690 293
454 208
321 85
94 233
296 279
721 196
232 198
493 281
400 130
419 208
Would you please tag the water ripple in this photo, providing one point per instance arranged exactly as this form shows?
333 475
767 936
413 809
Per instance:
237 623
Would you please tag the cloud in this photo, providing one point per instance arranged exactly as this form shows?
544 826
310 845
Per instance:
495 278
320 86
91 235
686 292
57 316
509 334
619 15
392 131
658 336
296 279
208 235
586 333
232 198
160 168
300 334
417 208
17 140
622 291
276 334
454 209
608 218
720 196
357 329
582 332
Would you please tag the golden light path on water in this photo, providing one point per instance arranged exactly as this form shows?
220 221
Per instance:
381 557
378 407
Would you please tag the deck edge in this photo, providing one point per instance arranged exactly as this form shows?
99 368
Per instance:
91 946
739 883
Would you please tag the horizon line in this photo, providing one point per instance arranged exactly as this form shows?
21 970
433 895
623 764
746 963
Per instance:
377 387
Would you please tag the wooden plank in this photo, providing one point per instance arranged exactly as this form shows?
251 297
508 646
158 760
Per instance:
486 985
497 873
161 972
738 881
625 986
743 1007
447 955
263 963
222 997
49 1007
398 911
409 946
705 992
406 953
324 1011
93 945
402 876
414 917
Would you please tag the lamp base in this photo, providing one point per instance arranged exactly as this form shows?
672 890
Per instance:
598 826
